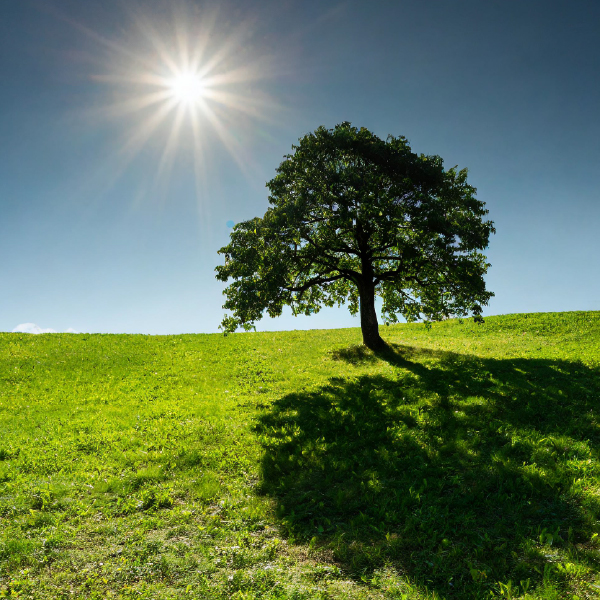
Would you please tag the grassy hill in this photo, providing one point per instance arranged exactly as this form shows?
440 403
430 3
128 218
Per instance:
298 465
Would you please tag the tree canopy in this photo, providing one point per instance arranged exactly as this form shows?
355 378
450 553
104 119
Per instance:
353 216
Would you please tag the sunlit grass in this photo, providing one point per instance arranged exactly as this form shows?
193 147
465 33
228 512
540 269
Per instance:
463 463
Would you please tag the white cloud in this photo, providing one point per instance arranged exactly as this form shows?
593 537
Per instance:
33 328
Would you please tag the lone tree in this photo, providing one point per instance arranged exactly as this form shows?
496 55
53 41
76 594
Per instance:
353 216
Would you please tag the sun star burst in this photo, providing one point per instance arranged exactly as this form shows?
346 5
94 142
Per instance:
184 78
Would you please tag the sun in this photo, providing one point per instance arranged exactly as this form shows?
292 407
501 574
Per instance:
187 88
177 84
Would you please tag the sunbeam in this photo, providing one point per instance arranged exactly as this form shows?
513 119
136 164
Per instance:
188 80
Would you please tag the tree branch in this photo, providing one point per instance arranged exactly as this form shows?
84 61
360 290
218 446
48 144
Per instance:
323 252
386 257
314 281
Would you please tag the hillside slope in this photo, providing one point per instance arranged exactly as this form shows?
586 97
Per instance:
463 463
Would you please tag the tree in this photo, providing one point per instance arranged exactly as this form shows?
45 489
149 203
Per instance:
353 216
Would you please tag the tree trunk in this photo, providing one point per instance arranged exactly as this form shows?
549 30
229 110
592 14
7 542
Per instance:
368 319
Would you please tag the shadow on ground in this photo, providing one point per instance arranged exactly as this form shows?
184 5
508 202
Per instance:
451 470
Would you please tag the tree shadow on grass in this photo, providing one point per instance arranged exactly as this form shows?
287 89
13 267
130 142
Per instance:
451 470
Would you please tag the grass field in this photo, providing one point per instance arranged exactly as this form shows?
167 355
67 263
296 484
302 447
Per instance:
463 463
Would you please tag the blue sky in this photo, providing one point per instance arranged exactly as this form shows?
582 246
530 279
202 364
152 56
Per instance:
105 227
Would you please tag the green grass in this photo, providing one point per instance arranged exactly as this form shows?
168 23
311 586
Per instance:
463 463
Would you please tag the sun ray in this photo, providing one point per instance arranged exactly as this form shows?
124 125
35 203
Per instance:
169 153
133 142
190 79
149 32
136 104
200 177
142 78
231 144
248 73
136 141
120 49
249 105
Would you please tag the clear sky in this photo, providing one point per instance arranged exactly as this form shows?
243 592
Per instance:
119 182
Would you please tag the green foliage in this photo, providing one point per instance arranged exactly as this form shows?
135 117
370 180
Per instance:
352 216
461 464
